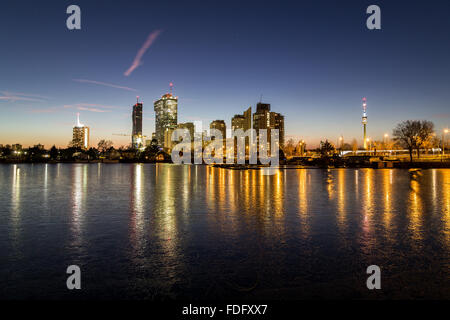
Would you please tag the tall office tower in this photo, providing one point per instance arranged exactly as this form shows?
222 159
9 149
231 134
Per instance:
242 121
137 140
364 122
237 122
167 140
263 118
80 138
279 124
189 126
166 118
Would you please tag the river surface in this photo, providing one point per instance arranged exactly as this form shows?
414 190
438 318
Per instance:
165 232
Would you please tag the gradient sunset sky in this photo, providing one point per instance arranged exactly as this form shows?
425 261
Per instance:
313 61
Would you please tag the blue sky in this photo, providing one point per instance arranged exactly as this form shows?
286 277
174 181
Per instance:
312 60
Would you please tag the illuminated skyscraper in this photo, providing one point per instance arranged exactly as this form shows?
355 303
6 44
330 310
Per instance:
237 122
166 118
242 121
136 135
278 120
263 118
80 138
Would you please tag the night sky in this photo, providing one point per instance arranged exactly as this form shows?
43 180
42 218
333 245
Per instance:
313 61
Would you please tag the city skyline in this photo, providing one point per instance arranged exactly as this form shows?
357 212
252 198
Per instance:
225 158
220 68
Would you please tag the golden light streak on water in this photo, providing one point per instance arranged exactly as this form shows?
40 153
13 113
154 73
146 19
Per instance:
15 200
341 198
278 195
367 200
414 210
303 197
137 205
387 198
445 174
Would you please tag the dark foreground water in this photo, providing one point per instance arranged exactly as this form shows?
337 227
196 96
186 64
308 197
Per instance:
159 232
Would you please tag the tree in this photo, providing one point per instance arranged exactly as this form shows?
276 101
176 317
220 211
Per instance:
326 148
289 147
412 134
92 153
104 145
346 147
425 135
54 153
6 151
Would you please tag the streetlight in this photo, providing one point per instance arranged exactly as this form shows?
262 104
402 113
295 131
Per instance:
302 144
386 140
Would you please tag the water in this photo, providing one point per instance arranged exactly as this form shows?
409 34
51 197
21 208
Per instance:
163 232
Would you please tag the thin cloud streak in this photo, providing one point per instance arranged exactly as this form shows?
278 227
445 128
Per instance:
88 105
79 106
48 110
104 84
17 96
137 60
9 93
92 109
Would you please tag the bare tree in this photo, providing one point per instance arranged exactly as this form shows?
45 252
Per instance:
104 145
326 148
425 135
289 147
412 134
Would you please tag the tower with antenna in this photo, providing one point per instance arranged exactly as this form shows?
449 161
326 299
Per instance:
364 122
80 138
136 134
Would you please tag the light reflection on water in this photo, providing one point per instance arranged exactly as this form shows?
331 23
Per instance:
166 231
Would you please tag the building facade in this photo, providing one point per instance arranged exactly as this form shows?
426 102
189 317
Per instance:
166 118
189 126
221 126
242 121
137 140
263 118
80 137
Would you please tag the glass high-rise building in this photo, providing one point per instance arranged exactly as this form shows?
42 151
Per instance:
80 137
166 118
263 118
136 134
